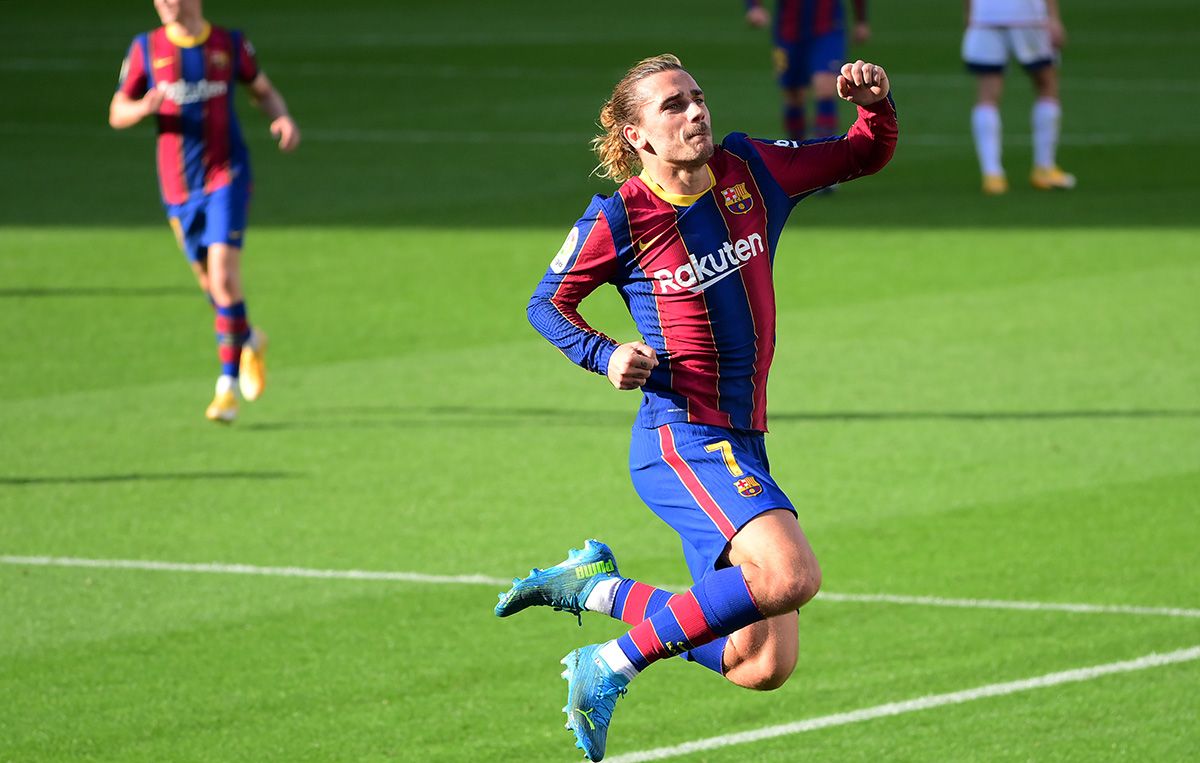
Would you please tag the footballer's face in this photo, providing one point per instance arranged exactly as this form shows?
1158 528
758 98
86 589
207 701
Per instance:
177 11
675 125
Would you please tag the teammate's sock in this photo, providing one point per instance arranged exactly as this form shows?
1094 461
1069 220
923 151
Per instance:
719 604
827 123
985 126
794 122
232 331
226 383
1045 118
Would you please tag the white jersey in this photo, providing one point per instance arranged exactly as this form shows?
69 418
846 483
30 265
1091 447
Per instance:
1008 12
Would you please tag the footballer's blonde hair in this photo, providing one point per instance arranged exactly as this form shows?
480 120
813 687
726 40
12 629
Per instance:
619 159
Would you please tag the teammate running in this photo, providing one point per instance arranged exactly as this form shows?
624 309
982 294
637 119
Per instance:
183 74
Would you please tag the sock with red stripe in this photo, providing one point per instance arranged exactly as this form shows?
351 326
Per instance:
827 123
794 122
233 331
632 602
719 604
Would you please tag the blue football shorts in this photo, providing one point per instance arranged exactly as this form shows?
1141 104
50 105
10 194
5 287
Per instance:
705 482
797 62
218 217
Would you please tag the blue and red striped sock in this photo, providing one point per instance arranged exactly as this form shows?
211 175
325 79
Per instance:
719 604
233 330
795 122
827 122
635 601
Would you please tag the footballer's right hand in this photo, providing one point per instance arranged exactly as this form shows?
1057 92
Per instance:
757 16
630 365
151 102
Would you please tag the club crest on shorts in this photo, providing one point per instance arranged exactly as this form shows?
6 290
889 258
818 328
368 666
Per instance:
748 486
737 199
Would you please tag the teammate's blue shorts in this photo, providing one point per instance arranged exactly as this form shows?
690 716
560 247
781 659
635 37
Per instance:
218 217
797 62
705 482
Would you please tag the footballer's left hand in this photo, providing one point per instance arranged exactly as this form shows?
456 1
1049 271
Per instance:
286 132
863 83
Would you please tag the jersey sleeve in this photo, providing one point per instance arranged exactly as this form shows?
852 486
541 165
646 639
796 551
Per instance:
133 79
803 166
587 259
247 60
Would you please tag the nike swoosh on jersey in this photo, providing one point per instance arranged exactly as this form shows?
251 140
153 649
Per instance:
161 62
643 244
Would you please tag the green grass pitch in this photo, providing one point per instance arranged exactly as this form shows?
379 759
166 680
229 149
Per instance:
973 398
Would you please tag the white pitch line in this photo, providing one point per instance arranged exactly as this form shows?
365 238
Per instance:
1044 606
249 569
927 702
420 577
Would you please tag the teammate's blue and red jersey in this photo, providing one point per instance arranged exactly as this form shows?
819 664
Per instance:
799 20
200 147
696 271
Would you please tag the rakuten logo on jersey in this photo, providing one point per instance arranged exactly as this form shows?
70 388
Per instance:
183 93
699 273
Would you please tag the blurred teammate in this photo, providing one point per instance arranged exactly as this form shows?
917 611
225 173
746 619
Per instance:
810 46
1030 31
183 73
690 244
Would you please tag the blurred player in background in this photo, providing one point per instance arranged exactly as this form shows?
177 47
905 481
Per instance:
810 46
690 244
1032 32
183 74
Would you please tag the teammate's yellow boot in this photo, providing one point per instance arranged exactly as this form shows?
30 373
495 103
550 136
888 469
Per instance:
994 185
224 406
252 370
1051 179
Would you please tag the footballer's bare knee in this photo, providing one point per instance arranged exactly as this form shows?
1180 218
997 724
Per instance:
762 657
780 567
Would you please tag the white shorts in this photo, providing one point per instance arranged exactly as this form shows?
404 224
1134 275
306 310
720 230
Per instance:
987 49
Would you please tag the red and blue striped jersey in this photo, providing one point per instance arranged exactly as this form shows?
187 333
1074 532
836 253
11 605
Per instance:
200 145
696 272
800 20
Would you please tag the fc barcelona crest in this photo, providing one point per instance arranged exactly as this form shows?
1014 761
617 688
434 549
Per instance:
748 486
737 199
219 59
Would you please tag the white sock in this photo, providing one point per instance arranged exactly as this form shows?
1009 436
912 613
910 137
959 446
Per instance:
1046 118
603 596
615 658
226 383
985 126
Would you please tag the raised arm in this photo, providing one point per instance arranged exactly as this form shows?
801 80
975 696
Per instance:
801 167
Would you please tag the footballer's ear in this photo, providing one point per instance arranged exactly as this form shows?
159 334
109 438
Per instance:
634 137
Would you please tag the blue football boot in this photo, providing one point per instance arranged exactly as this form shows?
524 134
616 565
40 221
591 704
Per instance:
592 692
565 586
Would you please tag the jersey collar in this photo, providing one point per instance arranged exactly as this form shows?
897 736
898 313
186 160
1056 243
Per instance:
677 199
179 37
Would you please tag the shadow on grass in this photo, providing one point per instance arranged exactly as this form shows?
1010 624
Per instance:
40 292
98 479
396 416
